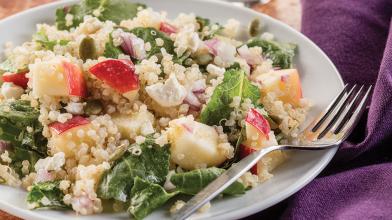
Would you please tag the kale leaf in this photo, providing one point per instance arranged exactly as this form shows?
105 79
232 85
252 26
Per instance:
41 38
111 51
235 83
15 118
149 35
145 197
281 54
46 194
151 165
192 182
105 10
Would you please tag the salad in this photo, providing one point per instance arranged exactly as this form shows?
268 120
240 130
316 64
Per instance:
117 104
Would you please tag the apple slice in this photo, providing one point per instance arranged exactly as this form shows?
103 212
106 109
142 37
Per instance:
76 121
118 74
18 79
258 121
67 138
244 152
285 84
57 78
75 79
268 163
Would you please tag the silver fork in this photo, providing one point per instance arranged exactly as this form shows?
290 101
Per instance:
329 130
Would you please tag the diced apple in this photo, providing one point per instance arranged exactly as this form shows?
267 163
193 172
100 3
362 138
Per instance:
193 144
118 74
67 137
267 164
76 121
57 78
285 84
48 79
75 80
258 136
130 126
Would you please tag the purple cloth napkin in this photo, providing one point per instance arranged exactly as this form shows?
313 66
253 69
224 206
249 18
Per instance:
357 36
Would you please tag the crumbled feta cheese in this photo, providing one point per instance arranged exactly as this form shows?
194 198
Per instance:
51 163
187 39
75 108
170 94
215 70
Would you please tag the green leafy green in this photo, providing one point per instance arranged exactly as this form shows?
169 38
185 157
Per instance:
235 83
104 10
149 35
41 38
145 197
192 182
152 165
227 164
46 194
15 117
111 51
16 120
281 54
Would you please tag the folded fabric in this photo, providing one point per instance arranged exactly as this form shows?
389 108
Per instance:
357 36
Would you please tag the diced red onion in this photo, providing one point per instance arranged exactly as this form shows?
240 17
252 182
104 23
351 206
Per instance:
199 86
251 58
129 45
3 146
43 176
167 28
212 46
192 100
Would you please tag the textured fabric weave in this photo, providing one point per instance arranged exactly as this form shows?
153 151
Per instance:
357 36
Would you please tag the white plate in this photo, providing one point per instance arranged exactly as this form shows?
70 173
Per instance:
320 80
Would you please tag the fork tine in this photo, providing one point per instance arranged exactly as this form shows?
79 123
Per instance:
354 119
355 103
330 109
351 97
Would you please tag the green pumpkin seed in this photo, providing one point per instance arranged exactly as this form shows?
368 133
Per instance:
255 27
93 107
87 49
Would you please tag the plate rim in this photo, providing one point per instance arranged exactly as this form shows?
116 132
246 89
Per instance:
243 211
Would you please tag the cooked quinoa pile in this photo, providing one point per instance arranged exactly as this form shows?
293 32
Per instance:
118 103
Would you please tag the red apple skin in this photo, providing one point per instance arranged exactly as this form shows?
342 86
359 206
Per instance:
167 28
118 74
75 79
18 79
76 121
245 151
258 121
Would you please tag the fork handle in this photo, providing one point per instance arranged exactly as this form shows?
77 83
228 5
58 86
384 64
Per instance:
222 182
232 174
